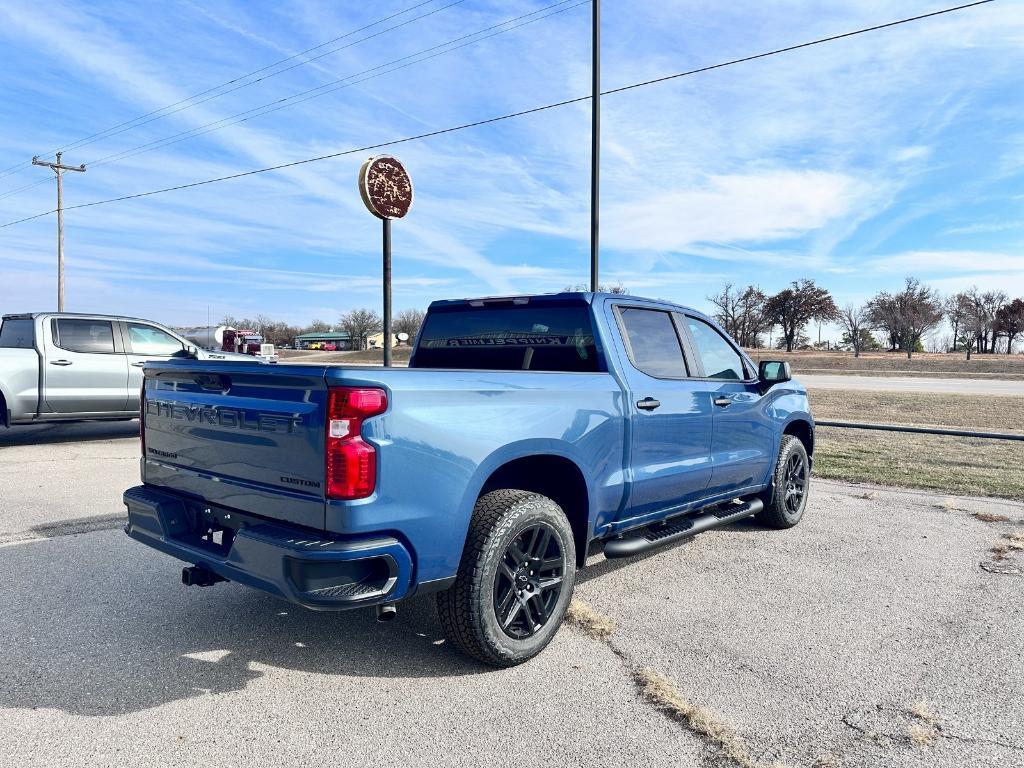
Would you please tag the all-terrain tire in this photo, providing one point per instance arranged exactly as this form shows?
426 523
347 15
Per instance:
502 522
785 501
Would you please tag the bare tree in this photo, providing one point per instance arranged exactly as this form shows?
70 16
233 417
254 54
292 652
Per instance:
906 316
957 307
992 303
794 307
408 321
318 326
854 321
360 323
1010 321
741 312
584 287
261 324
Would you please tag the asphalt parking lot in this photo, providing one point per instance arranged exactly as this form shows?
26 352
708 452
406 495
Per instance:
814 645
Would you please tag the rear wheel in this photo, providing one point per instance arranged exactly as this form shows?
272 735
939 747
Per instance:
785 502
515 579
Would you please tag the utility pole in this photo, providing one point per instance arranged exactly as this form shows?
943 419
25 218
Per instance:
595 143
59 170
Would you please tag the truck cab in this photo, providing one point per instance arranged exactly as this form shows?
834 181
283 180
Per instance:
67 366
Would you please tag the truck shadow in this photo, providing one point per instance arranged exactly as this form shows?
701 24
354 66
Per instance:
71 432
93 627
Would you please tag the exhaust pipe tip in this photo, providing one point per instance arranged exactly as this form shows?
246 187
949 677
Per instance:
386 612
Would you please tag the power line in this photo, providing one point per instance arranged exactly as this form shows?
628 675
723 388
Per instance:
183 104
331 87
348 81
511 115
16 190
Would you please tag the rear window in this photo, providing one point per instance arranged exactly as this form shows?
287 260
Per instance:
528 338
84 335
17 333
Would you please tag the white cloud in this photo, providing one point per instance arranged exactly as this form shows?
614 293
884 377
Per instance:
736 208
939 262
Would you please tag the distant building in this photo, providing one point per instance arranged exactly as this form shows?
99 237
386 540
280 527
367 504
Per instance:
376 341
340 339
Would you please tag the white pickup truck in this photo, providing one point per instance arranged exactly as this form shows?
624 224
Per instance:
68 367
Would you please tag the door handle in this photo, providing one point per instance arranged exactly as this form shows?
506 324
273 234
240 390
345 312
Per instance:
722 402
60 362
648 404
137 365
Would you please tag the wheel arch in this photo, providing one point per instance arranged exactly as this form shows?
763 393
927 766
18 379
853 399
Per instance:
555 476
804 431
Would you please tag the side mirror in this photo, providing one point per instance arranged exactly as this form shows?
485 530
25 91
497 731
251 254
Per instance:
774 371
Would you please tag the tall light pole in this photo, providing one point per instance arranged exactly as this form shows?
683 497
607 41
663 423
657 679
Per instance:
595 144
59 170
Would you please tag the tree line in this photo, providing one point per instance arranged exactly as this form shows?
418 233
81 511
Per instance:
982 322
358 323
897 321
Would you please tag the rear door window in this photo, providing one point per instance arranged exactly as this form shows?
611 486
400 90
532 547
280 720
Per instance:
17 333
530 338
653 343
81 335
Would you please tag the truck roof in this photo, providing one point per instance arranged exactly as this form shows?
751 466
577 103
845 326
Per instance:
34 315
565 297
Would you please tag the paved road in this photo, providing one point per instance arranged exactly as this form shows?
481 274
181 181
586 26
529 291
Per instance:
811 643
913 384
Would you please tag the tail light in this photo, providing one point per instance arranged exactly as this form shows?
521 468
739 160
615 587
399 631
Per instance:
351 461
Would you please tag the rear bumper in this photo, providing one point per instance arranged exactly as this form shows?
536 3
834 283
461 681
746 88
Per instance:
285 560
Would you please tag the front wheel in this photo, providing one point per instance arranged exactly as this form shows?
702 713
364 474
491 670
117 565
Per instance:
785 501
515 579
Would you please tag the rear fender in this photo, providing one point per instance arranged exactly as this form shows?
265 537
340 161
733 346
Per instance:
521 450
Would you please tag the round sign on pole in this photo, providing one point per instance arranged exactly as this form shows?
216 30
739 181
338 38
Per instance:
385 187
402 336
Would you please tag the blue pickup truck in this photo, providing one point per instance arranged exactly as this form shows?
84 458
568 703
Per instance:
526 434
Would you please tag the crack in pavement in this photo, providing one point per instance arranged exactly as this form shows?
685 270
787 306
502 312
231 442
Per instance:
883 738
654 688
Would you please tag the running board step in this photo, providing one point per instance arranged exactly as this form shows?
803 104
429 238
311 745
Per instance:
679 528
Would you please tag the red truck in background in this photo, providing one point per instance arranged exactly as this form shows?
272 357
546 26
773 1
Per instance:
224 338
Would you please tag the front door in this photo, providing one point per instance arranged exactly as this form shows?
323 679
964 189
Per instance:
670 422
743 444
85 370
145 342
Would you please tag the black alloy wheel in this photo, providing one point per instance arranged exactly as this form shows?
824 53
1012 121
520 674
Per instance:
795 480
528 581
786 498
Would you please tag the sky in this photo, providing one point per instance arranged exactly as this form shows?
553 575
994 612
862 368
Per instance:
855 163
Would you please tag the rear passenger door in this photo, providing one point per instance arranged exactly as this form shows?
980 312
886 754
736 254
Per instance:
85 370
670 420
743 442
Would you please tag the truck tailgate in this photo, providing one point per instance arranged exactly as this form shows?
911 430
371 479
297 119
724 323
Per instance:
242 435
